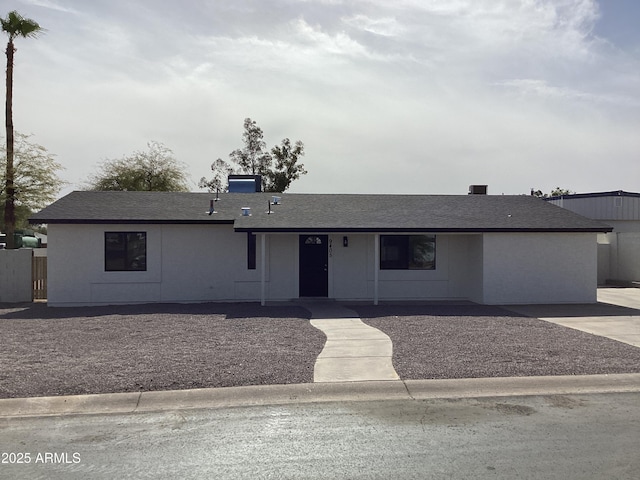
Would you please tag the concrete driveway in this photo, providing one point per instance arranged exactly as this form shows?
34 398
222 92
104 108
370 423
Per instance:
615 316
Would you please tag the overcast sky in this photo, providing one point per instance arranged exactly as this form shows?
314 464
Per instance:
402 96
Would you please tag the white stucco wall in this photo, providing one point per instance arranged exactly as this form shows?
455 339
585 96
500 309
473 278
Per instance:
539 268
282 267
351 267
628 256
201 263
604 262
475 268
185 263
192 263
351 271
623 247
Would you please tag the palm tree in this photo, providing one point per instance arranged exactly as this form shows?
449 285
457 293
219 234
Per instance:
15 25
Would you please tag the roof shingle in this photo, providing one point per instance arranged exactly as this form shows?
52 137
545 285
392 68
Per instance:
323 212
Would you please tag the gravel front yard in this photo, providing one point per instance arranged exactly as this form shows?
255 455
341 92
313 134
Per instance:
67 351
475 341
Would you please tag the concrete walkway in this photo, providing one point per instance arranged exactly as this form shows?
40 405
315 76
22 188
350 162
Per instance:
354 351
615 316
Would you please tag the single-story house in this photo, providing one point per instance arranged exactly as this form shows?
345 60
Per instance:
140 247
618 250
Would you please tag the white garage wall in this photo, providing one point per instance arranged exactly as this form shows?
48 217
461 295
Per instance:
520 268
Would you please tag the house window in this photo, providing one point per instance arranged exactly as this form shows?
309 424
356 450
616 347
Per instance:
251 251
407 252
125 251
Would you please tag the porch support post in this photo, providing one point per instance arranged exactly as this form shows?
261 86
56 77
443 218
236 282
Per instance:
376 266
263 269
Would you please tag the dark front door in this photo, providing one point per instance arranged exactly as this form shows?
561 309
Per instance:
314 259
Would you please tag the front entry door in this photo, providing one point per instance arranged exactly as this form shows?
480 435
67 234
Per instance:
314 260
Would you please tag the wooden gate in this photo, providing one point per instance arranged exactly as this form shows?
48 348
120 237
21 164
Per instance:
39 276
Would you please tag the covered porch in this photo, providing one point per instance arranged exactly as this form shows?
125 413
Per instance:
370 266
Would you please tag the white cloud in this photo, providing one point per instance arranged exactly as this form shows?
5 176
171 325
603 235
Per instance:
387 27
339 44
50 4
403 96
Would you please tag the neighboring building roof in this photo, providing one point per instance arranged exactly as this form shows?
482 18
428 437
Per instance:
322 212
616 193
602 206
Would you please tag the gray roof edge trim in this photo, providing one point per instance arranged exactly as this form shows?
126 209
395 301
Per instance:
426 230
615 193
130 222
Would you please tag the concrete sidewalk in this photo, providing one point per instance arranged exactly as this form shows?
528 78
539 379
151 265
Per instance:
615 316
354 351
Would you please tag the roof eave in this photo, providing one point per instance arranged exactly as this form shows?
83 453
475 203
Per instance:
121 221
422 230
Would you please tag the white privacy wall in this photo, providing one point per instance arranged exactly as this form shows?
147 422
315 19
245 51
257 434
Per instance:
15 275
520 268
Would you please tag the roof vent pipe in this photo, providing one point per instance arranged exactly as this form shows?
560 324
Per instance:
211 207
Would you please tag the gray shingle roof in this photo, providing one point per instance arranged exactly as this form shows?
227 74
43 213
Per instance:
323 212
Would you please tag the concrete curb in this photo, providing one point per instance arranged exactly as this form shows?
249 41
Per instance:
120 403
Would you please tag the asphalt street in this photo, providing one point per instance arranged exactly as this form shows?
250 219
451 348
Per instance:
566 437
